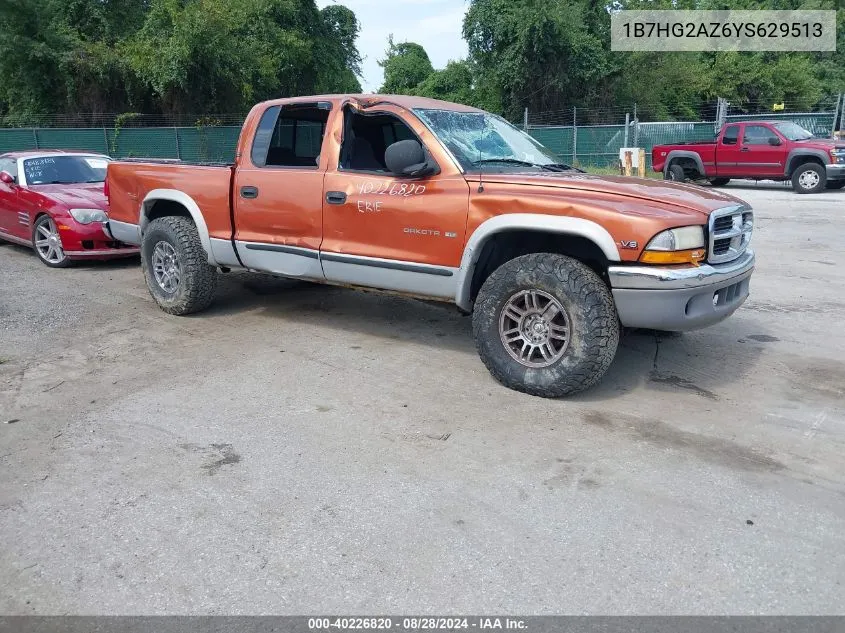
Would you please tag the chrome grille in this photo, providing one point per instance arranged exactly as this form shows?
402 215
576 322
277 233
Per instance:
730 233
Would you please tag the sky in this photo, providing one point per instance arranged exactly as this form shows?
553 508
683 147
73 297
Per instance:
435 24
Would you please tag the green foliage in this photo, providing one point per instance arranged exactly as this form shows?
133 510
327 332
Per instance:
170 56
405 65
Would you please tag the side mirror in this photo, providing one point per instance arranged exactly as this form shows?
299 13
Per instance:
774 140
407 158
6 178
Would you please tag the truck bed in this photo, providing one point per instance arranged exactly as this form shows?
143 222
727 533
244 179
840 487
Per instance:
209 184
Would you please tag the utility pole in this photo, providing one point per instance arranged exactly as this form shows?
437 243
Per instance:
525 120
574 135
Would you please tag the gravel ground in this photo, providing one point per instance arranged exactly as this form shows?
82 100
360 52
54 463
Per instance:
307 449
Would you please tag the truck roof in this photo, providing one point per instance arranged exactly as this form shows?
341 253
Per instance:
404 101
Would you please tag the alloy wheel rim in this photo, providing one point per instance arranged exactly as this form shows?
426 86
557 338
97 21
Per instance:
48 243
534 328
167 269
808 179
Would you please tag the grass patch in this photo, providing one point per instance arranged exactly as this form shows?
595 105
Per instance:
614 171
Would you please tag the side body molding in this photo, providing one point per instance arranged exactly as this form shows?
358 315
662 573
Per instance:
186 201
531 222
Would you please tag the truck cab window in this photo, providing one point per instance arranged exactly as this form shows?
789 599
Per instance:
756 135
367 136
290 137
731 135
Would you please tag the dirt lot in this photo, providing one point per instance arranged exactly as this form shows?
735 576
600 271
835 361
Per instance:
306 449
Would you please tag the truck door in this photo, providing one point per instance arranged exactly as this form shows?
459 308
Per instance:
728 153
386 231
759 156
278 191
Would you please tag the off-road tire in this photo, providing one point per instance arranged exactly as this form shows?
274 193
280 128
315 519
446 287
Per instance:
594 324
835 184
719 182
807 167
675 173
198 280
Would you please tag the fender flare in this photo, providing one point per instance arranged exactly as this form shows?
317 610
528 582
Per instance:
679 153
795 156
186 201
540 223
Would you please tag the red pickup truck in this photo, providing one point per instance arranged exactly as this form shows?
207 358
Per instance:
758 150
447 202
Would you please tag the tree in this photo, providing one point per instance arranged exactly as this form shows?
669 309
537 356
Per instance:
541 55
405 65
170 56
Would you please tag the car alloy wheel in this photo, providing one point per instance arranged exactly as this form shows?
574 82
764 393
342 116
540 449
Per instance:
48 243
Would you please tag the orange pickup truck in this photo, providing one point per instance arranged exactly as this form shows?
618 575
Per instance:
447 202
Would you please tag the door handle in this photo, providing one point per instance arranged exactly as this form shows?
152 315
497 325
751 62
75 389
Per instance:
335 197
745 149
249 192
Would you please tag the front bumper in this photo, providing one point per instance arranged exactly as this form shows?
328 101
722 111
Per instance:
91 241
679 299
835 172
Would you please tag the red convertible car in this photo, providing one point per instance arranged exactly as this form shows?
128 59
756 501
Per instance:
54 202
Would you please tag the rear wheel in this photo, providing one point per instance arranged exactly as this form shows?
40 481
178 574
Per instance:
809 178
719 182
545 324
48 243
176 267
675 172
835 184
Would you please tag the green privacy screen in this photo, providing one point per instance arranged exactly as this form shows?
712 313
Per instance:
596 145
599 145
204 144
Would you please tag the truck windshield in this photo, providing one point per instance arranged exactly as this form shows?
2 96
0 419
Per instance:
793 131
480 138
64 170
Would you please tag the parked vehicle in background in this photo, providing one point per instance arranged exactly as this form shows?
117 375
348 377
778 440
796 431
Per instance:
442 201
758 150
54 202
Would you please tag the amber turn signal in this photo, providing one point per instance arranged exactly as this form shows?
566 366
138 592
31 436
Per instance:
693 256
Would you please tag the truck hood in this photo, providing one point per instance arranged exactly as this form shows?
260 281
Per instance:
675 196
825 144
76 196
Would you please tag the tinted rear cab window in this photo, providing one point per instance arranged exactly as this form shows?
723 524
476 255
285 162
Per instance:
731 135
290 136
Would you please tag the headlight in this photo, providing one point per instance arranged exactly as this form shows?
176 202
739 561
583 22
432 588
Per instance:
684 245
86 216
837 155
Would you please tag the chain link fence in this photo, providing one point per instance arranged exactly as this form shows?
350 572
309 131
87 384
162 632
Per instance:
598 145
213 138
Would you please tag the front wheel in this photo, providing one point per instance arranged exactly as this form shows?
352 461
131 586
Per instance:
48 243
545 324
809 178
176 267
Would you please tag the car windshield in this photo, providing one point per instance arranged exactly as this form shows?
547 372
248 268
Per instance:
65 170
793 131
480 138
